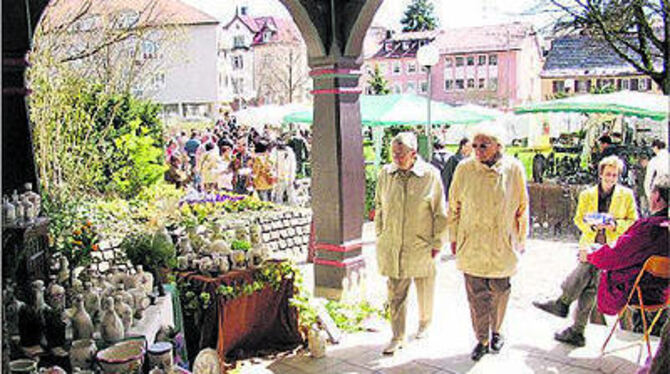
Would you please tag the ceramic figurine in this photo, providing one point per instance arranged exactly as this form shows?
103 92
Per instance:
12 307
8 212
82 354
56 296
125 295
206 264
124 312
144 280
111 327
141 301
64 270
82 324
32 318
92 301
222 263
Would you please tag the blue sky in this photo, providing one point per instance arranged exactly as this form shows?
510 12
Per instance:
451 13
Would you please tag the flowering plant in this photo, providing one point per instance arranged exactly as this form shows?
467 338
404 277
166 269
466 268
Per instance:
79 246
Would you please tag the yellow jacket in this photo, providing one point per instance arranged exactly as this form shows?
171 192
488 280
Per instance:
622 208
410 220
488 216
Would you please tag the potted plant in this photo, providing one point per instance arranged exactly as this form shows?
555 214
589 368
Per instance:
154 251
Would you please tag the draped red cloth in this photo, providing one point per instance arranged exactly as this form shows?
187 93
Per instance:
244 324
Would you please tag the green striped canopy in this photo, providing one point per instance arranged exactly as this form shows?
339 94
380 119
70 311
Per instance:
629 103
404 109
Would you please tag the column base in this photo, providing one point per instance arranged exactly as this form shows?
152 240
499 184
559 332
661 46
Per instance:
337 274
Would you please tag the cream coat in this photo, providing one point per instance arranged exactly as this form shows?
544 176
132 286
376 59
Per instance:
410 220
488 216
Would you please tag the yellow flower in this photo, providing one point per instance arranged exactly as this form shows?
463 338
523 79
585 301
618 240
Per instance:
77 242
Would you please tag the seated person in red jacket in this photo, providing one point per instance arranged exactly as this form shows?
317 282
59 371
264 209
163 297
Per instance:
621 263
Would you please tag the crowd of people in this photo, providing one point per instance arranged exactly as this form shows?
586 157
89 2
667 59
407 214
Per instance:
479 205
239 159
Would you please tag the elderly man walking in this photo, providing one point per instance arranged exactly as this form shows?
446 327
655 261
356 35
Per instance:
488 224
410 223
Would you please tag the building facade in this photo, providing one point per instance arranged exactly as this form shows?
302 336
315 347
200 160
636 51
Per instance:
583 64
263 61
495 66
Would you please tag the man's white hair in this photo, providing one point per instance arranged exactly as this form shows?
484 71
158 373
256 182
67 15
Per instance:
406 138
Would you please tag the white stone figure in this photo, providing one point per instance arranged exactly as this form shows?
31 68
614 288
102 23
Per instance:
124 311
144 280
111 327
82 325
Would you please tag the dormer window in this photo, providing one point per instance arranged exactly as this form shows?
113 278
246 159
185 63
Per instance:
405 45
267 36
238 41
388 46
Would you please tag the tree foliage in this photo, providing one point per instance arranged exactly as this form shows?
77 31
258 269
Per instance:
636 30
419 16
379 84
89 140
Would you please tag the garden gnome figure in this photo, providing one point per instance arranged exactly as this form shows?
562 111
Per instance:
81 321
111 327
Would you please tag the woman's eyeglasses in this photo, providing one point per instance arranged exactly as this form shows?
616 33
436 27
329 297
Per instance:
481 146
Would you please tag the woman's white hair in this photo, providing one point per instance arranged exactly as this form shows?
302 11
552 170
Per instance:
489 130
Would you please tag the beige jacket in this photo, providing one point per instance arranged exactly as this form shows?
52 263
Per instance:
410 220
488 216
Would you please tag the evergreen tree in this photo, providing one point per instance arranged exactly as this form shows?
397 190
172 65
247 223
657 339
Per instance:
419 17
379 84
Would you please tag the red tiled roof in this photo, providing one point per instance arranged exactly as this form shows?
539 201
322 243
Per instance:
153 12
285 30
483 38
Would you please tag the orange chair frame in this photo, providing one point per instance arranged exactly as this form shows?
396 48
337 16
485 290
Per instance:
658 266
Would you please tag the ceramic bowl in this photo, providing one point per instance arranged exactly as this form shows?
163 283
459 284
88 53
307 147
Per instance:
22 366
123 357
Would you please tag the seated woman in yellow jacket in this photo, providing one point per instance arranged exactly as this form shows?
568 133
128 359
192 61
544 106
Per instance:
618 203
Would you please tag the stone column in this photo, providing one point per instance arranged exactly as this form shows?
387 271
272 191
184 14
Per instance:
338 176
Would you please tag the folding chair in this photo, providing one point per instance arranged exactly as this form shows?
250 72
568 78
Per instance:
658 266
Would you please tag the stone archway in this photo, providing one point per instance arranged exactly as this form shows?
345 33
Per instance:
333 32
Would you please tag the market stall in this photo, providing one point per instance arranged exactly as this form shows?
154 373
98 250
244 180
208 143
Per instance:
632 119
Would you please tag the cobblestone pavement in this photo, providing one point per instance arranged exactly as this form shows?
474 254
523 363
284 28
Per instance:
530 347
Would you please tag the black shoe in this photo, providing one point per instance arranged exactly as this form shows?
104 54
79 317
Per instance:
479 351
570 336
497 342
554 307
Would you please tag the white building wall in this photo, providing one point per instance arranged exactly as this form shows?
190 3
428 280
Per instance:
193 77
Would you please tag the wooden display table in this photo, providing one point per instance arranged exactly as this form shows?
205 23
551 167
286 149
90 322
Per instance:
246 323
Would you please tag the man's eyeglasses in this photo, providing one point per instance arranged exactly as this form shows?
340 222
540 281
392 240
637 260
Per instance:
481 146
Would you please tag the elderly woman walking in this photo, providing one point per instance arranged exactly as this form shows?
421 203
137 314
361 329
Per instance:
488 224
410 223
